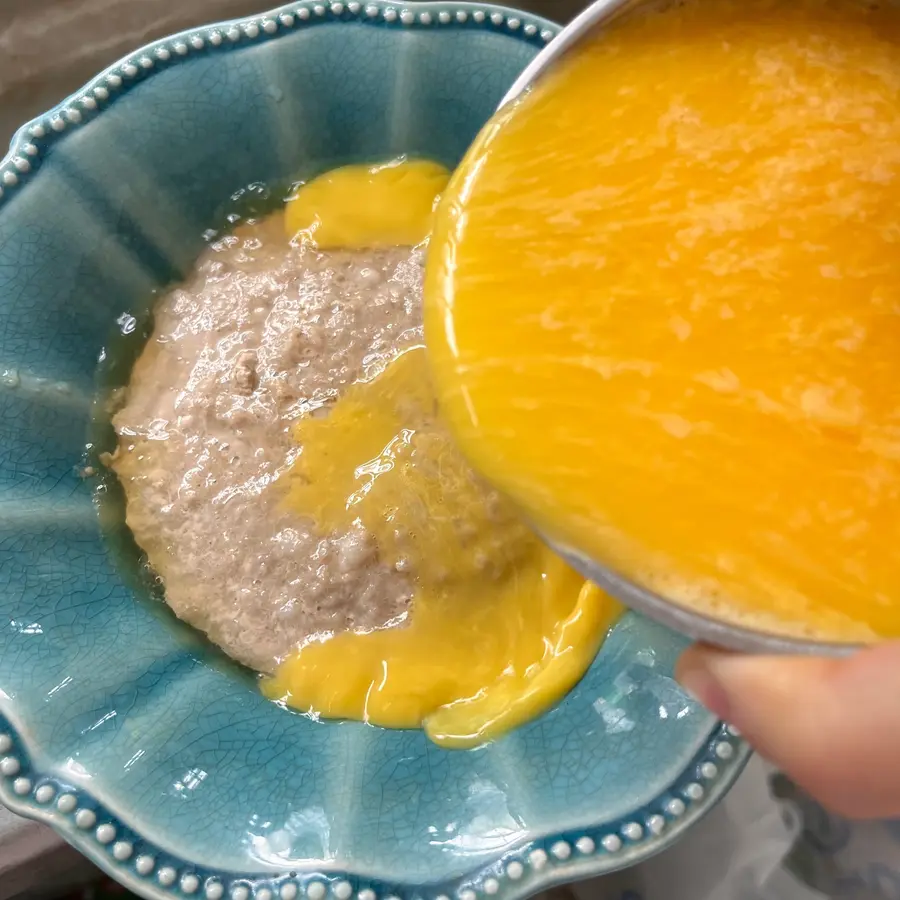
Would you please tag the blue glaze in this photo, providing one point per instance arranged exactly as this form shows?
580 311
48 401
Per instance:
176 767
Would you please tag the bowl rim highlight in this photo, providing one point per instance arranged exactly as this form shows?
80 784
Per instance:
697 625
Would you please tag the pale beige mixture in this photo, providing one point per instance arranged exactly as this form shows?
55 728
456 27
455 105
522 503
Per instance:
261 334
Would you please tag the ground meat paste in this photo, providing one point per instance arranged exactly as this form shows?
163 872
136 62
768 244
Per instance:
261 334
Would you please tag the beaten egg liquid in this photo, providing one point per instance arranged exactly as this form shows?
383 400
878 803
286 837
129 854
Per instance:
499 627
663 308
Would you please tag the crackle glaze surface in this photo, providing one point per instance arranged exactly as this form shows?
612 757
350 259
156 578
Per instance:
141 744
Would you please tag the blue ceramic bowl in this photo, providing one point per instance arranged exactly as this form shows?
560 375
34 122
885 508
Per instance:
122 729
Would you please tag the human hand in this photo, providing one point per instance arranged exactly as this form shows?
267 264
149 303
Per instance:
833 725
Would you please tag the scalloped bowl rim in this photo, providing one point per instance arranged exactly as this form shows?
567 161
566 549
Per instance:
96 831
85 103
541 862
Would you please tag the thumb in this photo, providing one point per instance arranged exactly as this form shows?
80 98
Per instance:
833 725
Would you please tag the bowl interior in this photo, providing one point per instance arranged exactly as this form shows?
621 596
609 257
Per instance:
107 694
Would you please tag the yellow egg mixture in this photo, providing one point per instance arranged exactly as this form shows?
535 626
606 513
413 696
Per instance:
663 308
499 628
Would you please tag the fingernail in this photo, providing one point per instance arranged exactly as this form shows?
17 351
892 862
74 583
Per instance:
700 681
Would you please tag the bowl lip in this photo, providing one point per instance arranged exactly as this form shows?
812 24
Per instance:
595 15
695 624
104 835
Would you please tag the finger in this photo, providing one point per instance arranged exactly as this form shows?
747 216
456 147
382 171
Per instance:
832 725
